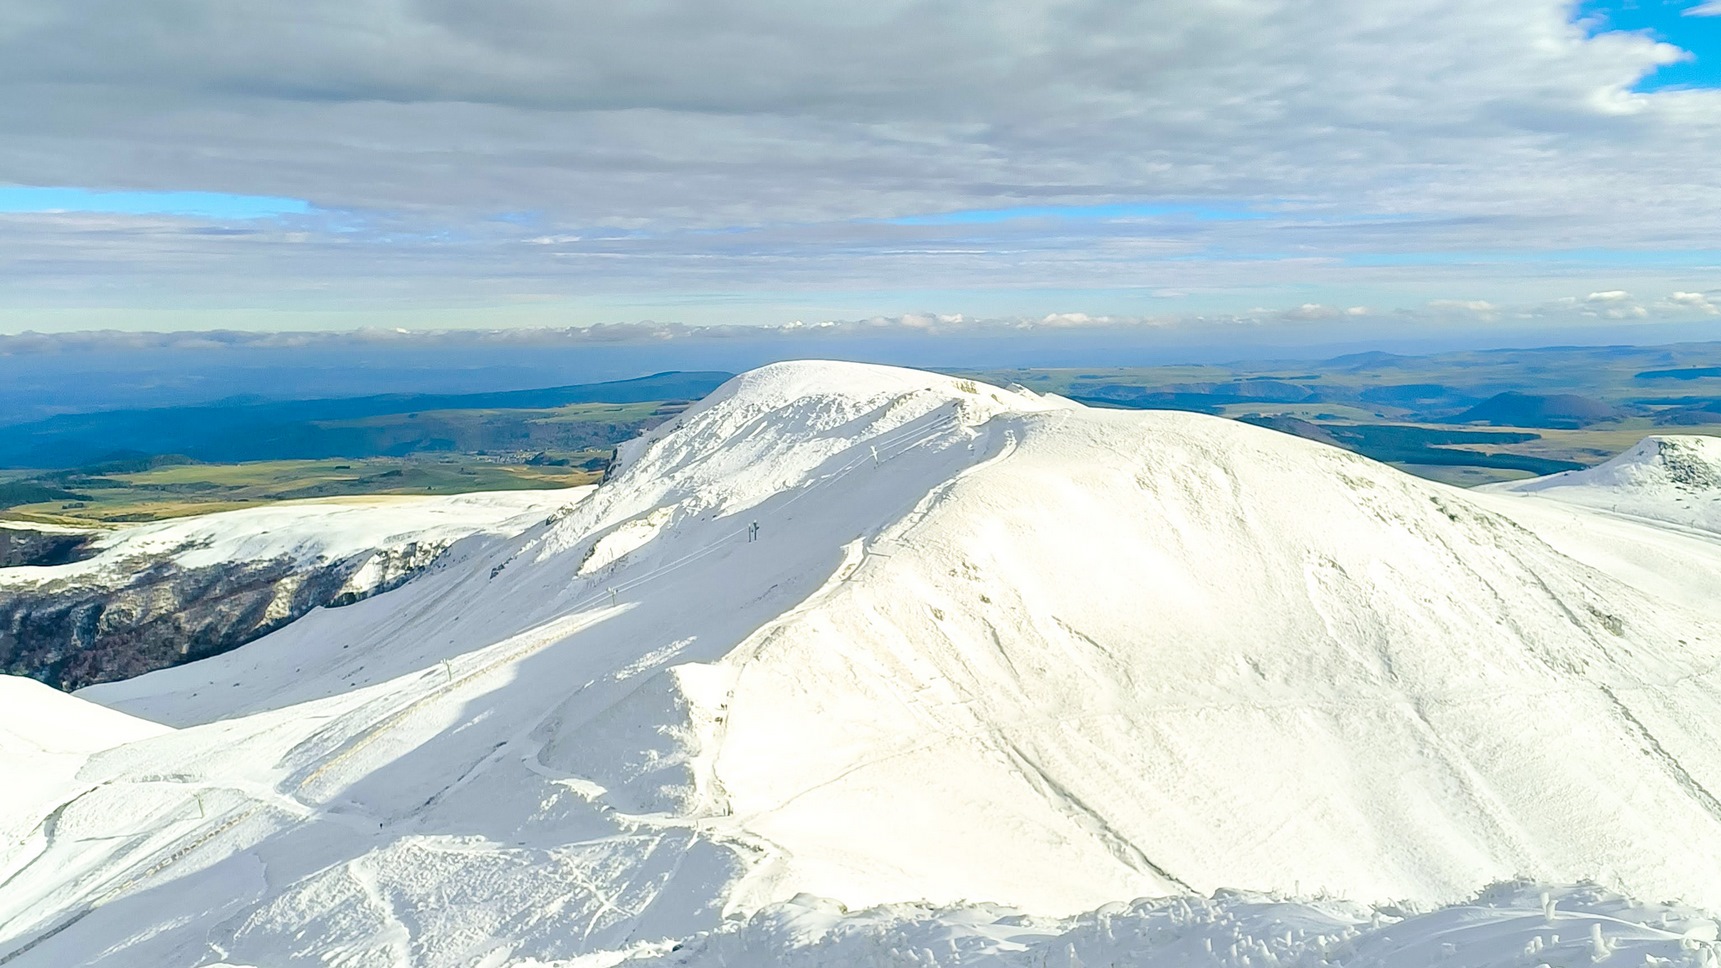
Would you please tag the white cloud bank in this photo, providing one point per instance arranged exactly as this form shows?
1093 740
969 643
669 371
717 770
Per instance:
1329 322
1692 301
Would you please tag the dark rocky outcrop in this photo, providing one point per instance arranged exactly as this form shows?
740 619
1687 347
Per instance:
22 546
78 632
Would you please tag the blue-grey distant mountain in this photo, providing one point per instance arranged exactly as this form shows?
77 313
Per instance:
1554 411
1683 373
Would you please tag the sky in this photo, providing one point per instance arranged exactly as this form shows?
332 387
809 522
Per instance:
1328 169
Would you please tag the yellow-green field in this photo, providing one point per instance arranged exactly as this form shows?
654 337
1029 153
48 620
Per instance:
184 489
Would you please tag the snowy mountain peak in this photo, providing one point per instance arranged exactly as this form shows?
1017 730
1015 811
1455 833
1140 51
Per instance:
806 382
1674 478
1682 460
801 410
782 427
881 636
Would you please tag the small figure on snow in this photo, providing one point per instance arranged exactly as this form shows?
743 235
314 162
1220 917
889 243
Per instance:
753 532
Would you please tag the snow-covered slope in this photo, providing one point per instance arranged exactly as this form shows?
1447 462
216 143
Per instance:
303 531
1509 924
1673 478
883 636
45 738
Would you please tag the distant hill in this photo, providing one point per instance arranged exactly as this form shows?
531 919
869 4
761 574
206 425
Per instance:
1684 373
1554 411
1296 427
244 431
1702 413
30 492
1372 359
1421 396
1199 397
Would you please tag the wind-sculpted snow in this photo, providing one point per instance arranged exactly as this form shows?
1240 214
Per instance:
890 638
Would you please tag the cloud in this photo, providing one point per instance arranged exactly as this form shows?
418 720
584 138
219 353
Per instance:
1312 311
1692 302
787 156
756 110
1710 8
1618 304
1477 308
1332 323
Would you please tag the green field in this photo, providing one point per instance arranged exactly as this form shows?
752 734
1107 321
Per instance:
329 448
181 489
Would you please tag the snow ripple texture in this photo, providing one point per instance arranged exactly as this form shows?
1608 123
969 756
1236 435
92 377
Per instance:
858 639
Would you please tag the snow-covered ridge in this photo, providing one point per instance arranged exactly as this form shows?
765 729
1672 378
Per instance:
300 531
883 637
151 595
1688 462
45 720
1672 478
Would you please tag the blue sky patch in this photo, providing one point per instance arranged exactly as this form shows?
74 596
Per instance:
20 199
1673 21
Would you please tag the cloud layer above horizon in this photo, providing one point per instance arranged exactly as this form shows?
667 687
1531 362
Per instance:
755 161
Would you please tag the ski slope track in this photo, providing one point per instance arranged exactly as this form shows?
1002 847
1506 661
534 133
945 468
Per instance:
853 665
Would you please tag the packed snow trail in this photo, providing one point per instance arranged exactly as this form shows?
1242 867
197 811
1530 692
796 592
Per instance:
986 645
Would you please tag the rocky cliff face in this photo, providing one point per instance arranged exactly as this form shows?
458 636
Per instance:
76 633
31 546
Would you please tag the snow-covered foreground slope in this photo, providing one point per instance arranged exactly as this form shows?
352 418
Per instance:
980 646
45 738
1505 925
1672 478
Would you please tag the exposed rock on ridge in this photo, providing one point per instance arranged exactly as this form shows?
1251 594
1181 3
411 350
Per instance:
73 634
154 596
